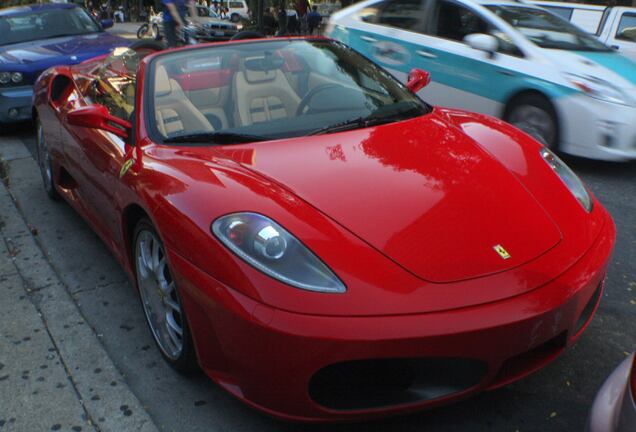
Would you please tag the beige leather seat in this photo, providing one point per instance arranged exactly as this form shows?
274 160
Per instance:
210 103
262 95
174 112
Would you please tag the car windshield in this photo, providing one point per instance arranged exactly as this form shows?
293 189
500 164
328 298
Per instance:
255 91
546 29
45 24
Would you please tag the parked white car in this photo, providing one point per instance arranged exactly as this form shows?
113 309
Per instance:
237 9
507 59
614 26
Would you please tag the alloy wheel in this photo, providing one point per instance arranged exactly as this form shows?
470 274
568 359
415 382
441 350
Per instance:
158 294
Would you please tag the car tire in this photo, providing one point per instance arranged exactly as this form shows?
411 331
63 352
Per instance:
44 162
160 299
235 17
147 45
535 115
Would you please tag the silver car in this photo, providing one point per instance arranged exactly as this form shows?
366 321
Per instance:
614 408
209 27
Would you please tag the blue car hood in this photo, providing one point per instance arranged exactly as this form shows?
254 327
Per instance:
32 58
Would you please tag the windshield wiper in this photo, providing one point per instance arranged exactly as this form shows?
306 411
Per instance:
62 35
359 122
215 138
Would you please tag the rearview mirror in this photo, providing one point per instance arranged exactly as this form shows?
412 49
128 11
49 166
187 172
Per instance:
106 23
97 117
482 42
418 79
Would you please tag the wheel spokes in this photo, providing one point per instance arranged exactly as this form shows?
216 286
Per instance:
172 324
154 263
159 296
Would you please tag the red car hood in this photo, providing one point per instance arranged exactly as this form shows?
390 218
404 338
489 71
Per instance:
420 191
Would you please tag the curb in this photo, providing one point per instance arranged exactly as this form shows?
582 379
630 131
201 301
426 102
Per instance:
106 398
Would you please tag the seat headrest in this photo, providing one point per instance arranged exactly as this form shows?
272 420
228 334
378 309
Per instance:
262 69
163 87
264 64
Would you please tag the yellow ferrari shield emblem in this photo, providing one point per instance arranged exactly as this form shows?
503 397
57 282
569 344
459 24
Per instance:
503 253
125 167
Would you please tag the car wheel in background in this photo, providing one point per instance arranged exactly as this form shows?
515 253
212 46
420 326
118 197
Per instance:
146 46
235 17
535 115
160 299
44 161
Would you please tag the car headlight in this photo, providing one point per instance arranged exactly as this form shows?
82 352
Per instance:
11 77
571 180
16 77
239 27
268 247
599 89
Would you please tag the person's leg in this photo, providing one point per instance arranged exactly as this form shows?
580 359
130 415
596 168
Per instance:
303 24
169 31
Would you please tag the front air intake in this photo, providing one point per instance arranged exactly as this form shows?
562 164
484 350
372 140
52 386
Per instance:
381 383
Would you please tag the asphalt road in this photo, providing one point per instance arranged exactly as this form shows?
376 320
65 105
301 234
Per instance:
556 398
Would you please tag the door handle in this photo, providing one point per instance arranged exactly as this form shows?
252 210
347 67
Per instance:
368 39
505 72
426 54
615 47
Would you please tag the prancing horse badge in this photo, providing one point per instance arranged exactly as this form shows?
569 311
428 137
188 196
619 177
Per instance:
503 253
125 167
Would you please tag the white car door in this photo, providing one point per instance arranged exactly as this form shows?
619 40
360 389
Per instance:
623 34
465 77
404 34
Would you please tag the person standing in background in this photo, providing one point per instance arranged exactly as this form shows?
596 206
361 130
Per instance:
282 19
174 18
302 7
313 19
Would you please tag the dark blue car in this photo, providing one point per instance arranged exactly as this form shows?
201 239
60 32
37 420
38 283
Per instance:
34 38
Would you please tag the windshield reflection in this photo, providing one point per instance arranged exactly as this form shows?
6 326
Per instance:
46 24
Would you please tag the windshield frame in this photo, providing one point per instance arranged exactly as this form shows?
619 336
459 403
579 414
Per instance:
34 13
148 103
567 27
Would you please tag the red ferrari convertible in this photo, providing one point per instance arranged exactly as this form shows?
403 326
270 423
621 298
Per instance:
321 242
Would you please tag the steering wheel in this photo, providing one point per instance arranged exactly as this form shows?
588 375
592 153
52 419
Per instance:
310 95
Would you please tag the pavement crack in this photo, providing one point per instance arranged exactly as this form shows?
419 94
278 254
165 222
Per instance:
98 286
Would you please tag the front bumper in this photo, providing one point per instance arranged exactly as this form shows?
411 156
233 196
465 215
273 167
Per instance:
15 104
282 362
597 129
614 409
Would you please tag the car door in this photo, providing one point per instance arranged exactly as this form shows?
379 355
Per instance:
97 157
623 34
433 40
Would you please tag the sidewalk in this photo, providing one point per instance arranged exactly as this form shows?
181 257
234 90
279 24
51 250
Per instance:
54 371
